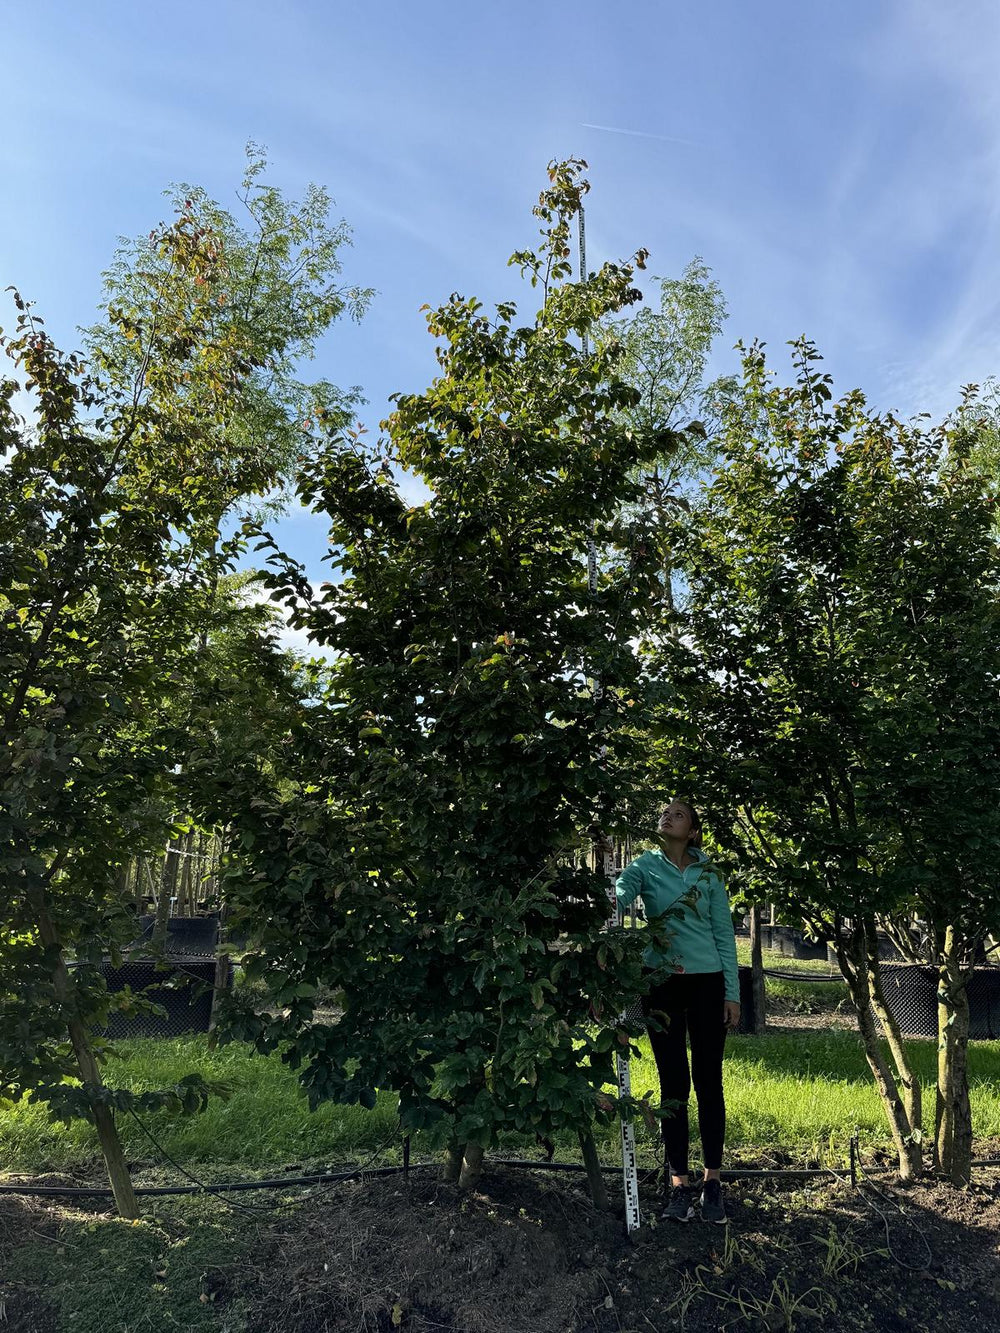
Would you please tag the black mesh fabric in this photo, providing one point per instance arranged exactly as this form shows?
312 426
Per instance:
911 997
184 989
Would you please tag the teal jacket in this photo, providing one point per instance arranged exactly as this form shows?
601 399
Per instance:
702 939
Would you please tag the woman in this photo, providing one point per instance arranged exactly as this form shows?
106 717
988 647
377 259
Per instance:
700 1001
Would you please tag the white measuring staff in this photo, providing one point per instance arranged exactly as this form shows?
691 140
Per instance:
630 1172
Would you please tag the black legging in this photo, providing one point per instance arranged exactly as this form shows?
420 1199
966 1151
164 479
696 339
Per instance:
693 1002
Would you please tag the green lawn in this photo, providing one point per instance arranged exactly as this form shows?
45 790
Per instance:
804 1092
781 961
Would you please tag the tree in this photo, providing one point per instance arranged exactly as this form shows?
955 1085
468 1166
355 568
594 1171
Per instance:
980 416
243 303
112 503
837 695
423 850
664 356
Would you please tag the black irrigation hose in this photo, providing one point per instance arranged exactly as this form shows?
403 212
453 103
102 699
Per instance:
225 1187
800 976
332 1177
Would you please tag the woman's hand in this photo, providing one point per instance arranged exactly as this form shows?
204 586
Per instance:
731 1015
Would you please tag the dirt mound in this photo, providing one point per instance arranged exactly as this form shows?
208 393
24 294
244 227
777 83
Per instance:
526 1253
528 1256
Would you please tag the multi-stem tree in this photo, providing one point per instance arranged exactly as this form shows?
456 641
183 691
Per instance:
423 850
112 501
837 696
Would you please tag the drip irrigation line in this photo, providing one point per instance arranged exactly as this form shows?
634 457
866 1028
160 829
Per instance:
893 1255
222 1187
196 1184
782 975
357 1173
199 1186
859 1188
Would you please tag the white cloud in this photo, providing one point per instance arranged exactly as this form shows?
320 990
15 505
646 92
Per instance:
292 639
933 197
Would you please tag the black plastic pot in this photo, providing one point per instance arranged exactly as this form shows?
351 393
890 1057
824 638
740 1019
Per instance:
747 1008
799 947
791 942
187 936
774 937
887 951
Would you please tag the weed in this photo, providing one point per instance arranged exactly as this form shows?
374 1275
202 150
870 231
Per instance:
838 1253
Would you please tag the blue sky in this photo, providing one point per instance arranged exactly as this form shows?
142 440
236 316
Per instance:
836 165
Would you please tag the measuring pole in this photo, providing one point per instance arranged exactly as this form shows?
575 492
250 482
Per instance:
630 1174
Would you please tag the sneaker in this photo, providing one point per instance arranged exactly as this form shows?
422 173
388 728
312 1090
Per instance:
680 1203
712 1207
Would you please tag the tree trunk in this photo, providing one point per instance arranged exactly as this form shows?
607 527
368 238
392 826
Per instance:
124 878
953 1116
215 863
104 1122
201 877
909 1083
168 883
223 972
472 1167
757 971
90 1073
595 1176
453 1163
185 891
852 957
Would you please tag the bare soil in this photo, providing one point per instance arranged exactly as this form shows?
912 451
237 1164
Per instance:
529 1254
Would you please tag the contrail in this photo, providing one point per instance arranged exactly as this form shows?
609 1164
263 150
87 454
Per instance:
640 134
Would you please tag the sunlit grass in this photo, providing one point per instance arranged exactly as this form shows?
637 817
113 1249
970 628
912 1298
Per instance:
782 962
264 1122
800 1092
809 1091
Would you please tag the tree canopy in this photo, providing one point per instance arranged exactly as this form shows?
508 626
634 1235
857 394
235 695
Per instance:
112 561
837 682
423 851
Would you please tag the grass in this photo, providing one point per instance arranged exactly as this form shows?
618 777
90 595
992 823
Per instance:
785 996
802 1092
806 1092
158 1275
782 962
265 1121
